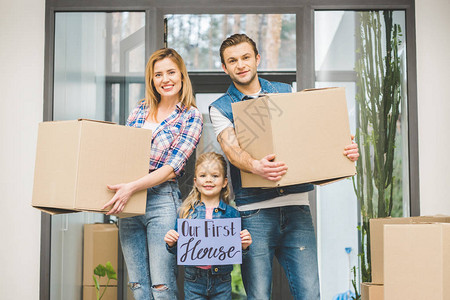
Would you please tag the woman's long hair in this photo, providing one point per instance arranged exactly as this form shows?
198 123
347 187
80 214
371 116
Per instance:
152 97
194 197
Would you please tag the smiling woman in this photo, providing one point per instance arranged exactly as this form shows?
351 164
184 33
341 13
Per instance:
169 104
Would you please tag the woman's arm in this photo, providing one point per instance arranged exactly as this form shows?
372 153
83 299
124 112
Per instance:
183 146
125 190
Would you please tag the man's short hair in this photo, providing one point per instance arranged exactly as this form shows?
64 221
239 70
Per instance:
234 40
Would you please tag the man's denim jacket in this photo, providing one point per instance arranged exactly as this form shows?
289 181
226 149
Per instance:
222 211
252 195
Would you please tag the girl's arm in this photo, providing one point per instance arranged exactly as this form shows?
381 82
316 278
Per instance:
125 190
171 238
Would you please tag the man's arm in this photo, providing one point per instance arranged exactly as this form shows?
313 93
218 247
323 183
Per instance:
264 167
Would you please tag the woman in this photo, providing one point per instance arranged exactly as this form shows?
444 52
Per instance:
169 111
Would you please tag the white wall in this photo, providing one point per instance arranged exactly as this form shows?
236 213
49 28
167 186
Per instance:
21 103
433 77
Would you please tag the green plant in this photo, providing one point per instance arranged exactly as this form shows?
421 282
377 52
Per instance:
378 70
237 287
355 286
101 271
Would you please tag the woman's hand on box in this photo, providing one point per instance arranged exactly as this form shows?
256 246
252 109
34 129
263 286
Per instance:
120 199
351 151
269 169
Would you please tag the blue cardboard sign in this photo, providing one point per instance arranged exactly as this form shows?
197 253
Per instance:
204 242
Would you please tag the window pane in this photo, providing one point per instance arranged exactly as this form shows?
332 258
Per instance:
351 50
96 56
122 26
208 141
136 57
198 38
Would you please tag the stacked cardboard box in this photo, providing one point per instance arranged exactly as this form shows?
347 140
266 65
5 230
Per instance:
101 242
371 291
410 258
90 294
76 160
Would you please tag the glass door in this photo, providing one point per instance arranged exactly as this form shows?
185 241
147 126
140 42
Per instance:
99 65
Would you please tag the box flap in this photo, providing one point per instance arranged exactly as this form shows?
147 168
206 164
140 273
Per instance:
55 167
328 181
55 211
99 121
318 89
371 291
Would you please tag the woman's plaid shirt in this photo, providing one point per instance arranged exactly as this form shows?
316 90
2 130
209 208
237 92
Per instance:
174 139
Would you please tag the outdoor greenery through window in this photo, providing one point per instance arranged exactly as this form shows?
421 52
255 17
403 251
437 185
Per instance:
198 37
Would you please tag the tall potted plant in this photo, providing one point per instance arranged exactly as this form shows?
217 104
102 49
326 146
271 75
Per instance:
378 70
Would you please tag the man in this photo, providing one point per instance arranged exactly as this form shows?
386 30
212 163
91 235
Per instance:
278 219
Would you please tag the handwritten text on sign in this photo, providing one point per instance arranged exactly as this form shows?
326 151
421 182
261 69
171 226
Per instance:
205 242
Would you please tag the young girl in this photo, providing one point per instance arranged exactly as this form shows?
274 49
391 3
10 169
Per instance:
208 200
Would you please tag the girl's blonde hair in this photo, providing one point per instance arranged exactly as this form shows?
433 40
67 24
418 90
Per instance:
152 97
194 197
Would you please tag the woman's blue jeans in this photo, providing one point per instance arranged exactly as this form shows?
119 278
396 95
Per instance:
151 268
288 233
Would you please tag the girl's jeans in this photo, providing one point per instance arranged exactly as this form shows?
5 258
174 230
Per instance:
151 268
202 284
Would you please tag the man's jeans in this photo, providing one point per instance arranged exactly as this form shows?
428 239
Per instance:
151 268
288 233
201 284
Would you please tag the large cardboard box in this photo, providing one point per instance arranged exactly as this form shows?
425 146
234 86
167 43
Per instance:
101 243
75 160
417 261
377 240
307 130
371 291
89 293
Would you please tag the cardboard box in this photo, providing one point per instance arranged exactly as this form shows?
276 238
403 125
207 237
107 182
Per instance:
101 243
89 293
377 240
371 291
307 130
417 261
75 160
